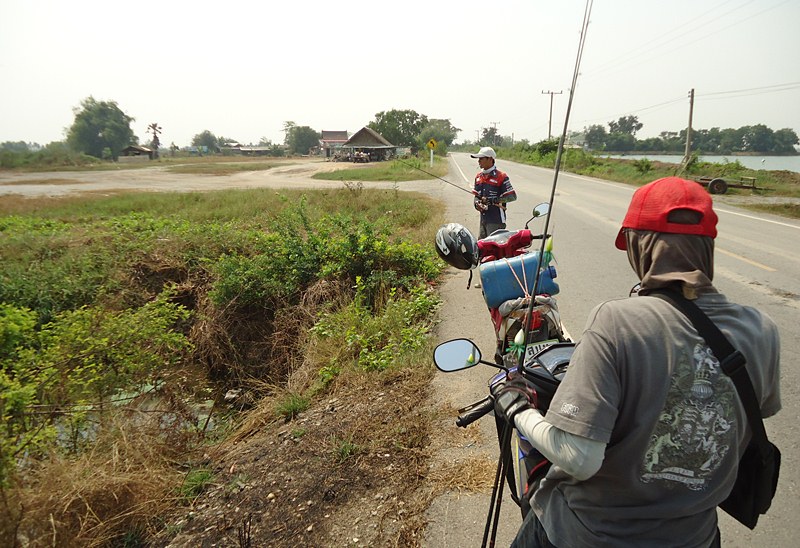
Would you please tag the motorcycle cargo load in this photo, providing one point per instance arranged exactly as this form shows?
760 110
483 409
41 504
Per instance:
506 279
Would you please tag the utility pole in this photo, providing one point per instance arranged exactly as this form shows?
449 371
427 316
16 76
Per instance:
494 134
688 152
550 120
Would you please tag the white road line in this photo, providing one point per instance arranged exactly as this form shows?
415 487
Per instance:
461 172
796 227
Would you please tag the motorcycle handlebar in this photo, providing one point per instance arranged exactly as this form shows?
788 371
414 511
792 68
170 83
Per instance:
475 411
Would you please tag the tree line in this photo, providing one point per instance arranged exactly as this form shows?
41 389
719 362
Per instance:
101 129
621 137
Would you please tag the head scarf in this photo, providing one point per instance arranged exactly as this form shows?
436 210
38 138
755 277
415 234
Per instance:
678 261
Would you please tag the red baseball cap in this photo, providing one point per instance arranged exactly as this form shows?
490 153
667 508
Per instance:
651 205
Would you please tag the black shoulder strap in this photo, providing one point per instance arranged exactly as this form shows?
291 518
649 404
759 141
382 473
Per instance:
731 360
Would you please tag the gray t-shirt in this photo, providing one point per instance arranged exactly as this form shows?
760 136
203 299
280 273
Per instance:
643 381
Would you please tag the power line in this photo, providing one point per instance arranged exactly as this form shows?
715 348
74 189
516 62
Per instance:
704 35
663 39
757 91
716 95
640 110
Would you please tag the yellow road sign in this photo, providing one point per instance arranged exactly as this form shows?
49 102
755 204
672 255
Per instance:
432 144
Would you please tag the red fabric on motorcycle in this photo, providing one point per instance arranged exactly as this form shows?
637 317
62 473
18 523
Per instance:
491 249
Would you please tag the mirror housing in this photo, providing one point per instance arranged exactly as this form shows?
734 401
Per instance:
541 210
456 355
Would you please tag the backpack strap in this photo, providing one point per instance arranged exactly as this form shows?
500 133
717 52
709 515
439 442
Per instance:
731 360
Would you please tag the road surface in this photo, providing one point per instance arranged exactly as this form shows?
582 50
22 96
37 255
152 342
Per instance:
757 263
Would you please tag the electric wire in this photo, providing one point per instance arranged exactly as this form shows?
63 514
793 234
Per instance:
662 40
611 67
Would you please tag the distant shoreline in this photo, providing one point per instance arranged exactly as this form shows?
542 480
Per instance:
655 153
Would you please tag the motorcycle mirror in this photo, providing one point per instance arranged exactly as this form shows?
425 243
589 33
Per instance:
456 355
539 211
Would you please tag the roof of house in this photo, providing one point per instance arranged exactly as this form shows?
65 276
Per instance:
367 137
333 136
137 148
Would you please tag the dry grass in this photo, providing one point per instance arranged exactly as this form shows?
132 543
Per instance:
116 490
353 464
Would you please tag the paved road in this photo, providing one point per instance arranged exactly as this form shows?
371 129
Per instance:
757 263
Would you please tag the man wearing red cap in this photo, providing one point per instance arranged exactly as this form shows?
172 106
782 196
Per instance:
645 431
492 191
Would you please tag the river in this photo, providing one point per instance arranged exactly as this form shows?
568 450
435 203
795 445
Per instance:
790 163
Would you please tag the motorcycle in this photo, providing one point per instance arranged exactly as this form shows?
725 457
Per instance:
518 287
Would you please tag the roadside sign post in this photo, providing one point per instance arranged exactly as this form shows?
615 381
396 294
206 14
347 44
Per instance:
431 146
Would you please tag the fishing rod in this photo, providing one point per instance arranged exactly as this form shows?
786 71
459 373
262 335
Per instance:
560 152
433 175
502 463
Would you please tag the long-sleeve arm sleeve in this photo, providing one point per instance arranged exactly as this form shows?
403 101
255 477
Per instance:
579 457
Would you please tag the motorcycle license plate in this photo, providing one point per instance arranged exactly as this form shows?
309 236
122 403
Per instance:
534 348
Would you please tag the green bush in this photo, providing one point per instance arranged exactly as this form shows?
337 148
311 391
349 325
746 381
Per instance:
643 165
73 366
337 247
376 341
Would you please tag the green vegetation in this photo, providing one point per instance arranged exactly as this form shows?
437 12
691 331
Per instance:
300 139
639 172
345 449
119 315
621 137
100 129
410 169
194 483
53 156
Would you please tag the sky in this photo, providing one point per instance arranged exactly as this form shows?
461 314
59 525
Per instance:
242 69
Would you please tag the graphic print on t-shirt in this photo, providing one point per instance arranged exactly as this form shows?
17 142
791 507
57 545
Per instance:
696 428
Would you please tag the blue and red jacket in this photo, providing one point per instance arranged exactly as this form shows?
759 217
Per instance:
496 188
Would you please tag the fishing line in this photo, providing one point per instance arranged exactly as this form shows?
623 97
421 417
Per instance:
432 175
494 508
582 42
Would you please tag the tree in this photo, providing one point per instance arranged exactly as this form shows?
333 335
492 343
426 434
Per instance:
490 137
730 140
757 138
627 125
100 128
620 142
442 131
399 127
784 141
595 137
300 139
206 139
155 129
18 146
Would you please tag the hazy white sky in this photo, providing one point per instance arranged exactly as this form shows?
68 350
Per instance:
241 69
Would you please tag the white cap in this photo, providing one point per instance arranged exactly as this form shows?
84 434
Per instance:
485 152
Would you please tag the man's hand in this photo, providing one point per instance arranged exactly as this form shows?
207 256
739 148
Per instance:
513 396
